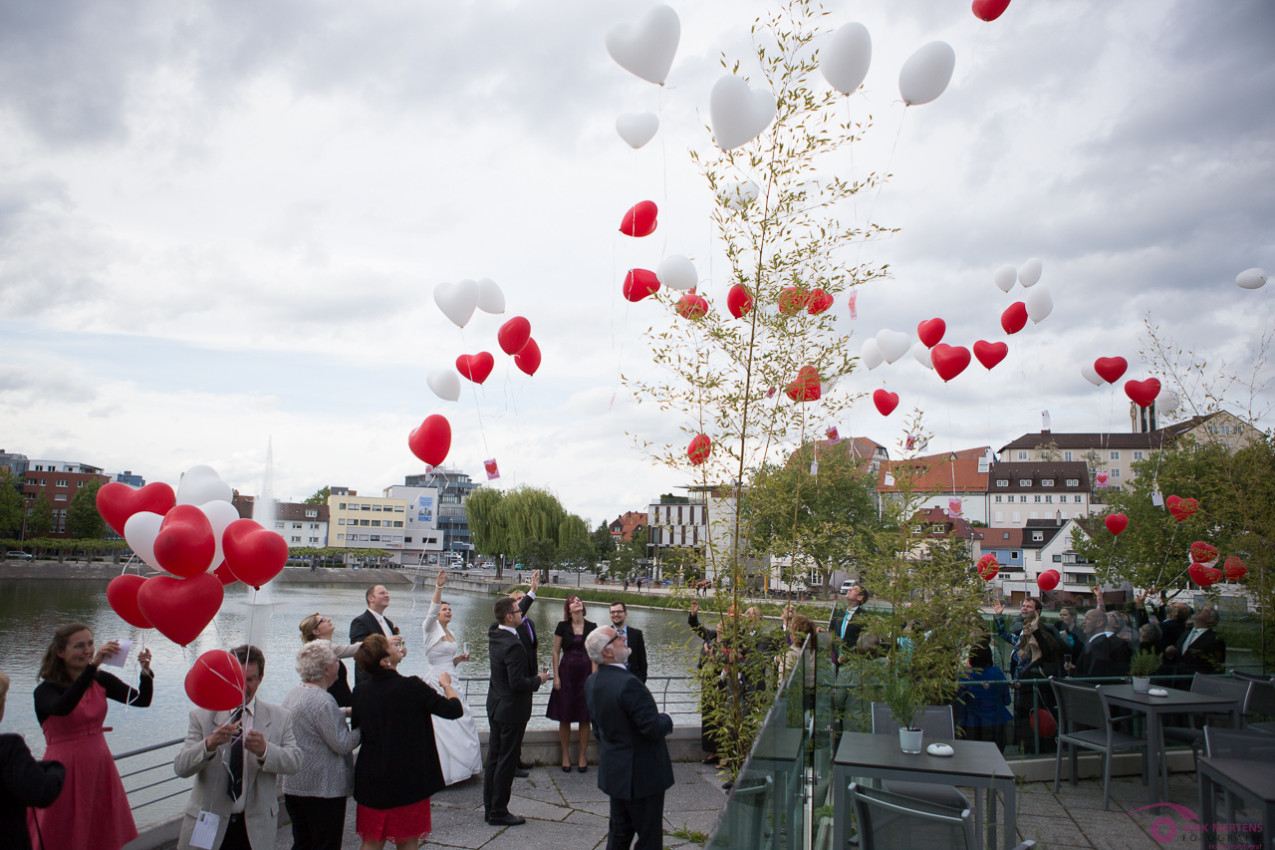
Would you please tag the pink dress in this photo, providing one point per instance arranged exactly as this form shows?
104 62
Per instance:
92 813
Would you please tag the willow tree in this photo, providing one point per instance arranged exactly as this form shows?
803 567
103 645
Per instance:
504 523
762 381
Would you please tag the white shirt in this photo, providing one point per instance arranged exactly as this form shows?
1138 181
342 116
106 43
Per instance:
509 629
380 621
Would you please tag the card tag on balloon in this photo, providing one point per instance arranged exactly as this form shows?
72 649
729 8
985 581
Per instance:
850 300
833 436
910 443
205 830
889 480
1044 420
814 467
493 471
118 659
770 393
1157 499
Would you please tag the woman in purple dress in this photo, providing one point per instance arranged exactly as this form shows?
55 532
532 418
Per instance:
571 666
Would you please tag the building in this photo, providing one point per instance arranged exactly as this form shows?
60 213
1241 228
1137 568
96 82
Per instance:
303 525
129 478
1047 544
935 481
14 464
1020 491
59 480
933 524
422 542
623 526
453 489
677 522
365 522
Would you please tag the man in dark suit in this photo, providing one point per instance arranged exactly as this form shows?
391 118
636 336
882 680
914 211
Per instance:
372 622
1105 655
513 679
1200 650
634 769
846 623
1176 624
527 634
636 663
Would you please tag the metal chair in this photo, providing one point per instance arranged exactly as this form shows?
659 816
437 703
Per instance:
893 821
1085 722
1238 744
1261 702
1239 689
936 721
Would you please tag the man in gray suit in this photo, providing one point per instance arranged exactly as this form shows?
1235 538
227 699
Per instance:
235 757
633 762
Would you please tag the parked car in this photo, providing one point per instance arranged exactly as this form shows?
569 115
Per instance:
19 556
846 585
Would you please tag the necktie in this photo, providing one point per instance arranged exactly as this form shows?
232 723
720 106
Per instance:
623 632
236 759
845 624
530 630
1190 637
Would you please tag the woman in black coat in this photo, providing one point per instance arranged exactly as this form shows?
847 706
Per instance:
397 769
23 782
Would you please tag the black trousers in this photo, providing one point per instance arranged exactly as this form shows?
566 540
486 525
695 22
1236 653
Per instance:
236 837
503 745
643 817
317 822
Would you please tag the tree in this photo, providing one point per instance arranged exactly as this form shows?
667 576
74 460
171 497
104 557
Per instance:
529 513
629 554
320 496
11 507
537 554
82 517
603 542
576 553
482 510
39 515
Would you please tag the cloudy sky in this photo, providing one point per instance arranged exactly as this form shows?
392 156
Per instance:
221 224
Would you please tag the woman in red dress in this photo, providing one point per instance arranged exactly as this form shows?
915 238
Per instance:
92 812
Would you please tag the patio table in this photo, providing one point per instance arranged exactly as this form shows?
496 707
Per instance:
1177 702
975 764
1253 780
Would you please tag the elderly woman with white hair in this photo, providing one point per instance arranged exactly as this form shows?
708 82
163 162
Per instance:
316 794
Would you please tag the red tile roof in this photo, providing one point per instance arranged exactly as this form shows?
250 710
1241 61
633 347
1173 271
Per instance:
938 473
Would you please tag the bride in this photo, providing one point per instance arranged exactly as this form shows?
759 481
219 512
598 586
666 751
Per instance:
459 753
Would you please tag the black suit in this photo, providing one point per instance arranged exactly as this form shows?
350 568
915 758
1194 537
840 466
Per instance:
24 782
634 769
1104 656
513 679
846 634
527 633
1205 654
362 626
637 656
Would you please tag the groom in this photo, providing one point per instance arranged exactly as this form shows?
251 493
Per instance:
513 679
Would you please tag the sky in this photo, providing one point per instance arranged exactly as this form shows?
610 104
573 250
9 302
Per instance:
221 225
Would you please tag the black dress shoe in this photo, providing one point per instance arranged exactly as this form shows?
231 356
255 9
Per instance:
521 774
584 768
522 765
506 820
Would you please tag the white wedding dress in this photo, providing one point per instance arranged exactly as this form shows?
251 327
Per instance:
459 752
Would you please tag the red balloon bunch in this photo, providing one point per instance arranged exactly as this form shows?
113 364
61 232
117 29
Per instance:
1048 580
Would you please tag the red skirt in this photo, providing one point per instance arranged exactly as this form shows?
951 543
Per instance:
402 823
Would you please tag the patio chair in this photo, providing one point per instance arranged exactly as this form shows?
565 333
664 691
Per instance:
893 821
1085 722
1239 689
1238 744
936 721
1260 715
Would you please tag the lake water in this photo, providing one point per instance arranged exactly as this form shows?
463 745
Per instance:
30 611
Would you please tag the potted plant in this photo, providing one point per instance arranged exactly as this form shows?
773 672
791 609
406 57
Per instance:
900 695
1141 666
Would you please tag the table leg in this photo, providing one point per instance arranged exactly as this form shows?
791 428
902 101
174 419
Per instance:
842 813
991 817
1011 815
1206 799
1155 749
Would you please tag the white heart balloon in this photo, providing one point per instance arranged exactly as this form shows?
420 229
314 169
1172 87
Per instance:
139 532
870 354
646 48
1253 278
1005 277
457 300
1167 401
490 298
201 484
1039 303
926 73
677 272
921 353
893 344
738 113
220 515
844 60
1090 374
1029 274
637 128
445 384
737 196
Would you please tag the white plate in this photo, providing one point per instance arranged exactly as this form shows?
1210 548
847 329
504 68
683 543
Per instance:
942 750
1157 692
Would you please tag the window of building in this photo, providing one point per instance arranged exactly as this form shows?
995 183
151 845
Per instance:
938 528
999 497
296 525
1137 455
340 520
364 522
340 537
1037 554
1115 455
375 538
398 523
1033 515
1037 497
1038 536
1024 482
311 512
1022 498
1115 473
999 516
1076 499
398 509
916 529
59 497
314 540
1067 456
376 523
1046 482
1058 559
79 484
365 507
278 523
1048 497
1013 554
340 506
1017 517
1022 455
1002 482
1072 482
61 482
295 539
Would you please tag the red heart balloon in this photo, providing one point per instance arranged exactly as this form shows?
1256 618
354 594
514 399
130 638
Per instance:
639 283
1182 509
739 301
121 595
949 360
793 299
216 681
692 306
1116 523
1110 368
116 502
990 353
1142 393
806 387
820 301
699 449
430 442
988 567
1014 319
1204 576
1048 580
528 360
224 574
1234 569
1205 553
254 554
990 10
513 335
885 401
931 331
180 608
640 219
185 544
475 367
